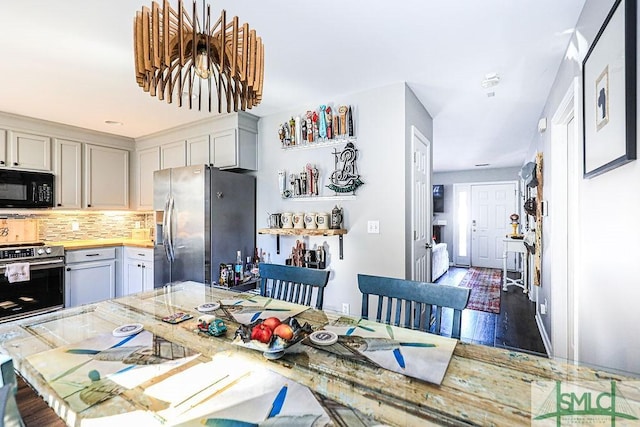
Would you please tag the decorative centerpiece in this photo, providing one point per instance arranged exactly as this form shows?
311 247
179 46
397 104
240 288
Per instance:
272 336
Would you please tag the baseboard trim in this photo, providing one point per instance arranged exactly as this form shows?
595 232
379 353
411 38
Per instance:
545 337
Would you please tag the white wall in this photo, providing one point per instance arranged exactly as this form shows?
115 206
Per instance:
606 277
380 128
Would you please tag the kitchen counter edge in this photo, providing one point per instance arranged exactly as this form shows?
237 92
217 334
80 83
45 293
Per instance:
100 243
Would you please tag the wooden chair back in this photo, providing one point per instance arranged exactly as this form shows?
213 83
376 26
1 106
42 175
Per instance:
293 284
412 304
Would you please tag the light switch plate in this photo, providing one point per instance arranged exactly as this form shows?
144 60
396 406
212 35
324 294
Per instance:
373 227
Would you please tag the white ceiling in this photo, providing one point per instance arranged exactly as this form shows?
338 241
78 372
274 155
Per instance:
71 62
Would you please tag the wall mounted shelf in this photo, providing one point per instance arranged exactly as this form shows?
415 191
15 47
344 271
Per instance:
320 198
303 232
320 144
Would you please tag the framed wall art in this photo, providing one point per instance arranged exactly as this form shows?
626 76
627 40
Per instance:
609 92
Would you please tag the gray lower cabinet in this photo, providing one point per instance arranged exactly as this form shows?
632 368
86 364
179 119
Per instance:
138 270
90 276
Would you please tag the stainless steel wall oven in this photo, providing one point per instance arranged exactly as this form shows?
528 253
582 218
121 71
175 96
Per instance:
44 289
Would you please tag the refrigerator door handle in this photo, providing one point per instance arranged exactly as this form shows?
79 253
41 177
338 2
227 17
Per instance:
172 252
165 229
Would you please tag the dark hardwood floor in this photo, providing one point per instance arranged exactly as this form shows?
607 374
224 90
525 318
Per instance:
33 409
514 328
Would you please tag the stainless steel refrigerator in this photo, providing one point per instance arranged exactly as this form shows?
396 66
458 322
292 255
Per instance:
203 217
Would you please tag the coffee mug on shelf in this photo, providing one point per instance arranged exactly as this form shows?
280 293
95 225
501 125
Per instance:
287 220
310 220
322 220
274 220
298 220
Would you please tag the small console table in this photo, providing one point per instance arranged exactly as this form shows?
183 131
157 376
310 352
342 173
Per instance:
517 246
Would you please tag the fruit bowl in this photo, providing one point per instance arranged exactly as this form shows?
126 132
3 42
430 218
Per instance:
256 337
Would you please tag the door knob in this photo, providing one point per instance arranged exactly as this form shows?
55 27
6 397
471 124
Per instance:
428 246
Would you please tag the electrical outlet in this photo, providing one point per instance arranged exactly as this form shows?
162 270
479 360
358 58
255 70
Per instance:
373 227
543 307
75 226
137 224
345 308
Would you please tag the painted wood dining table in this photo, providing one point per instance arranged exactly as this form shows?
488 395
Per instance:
482 385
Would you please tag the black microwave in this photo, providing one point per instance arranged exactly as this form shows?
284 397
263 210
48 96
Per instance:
23 189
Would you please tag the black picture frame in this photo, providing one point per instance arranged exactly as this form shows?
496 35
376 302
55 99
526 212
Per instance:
609 93
438 198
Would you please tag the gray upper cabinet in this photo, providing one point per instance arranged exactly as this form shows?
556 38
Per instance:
106 177
26 151
173 155
199 151
67 166
148 161
235 146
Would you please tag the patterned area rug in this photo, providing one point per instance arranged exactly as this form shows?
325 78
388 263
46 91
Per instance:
485 284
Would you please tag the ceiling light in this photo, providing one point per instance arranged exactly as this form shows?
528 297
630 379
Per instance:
174 49
113 122
490 80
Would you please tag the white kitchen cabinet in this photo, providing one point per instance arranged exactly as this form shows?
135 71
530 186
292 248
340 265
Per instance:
138 270
148 161
67 166
26 151
198 151
173 155
90 276
106 178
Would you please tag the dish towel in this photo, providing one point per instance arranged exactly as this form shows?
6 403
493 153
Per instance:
17 272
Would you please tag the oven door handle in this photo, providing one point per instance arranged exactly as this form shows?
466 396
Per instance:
56 261
38 264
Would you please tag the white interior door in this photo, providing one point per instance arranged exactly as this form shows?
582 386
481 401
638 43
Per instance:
491 206
422 211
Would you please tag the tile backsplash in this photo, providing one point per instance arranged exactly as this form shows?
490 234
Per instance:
80 225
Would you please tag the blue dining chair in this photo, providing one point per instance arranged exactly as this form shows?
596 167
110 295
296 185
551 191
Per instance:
420 302
299 285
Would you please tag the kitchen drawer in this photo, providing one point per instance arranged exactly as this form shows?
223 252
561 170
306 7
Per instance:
141 254
84 255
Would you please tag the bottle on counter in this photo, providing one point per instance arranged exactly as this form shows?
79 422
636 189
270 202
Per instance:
255 264
248 267
238 270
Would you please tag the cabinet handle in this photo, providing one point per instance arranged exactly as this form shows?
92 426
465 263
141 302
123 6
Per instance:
59 204
68 268
15 163
143 266
92 255
88 206
141 255
1 162
139 266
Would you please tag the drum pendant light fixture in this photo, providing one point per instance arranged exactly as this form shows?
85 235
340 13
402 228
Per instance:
179 53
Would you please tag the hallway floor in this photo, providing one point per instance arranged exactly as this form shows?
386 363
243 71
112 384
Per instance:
514 328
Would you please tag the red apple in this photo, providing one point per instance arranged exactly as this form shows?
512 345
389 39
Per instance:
284 331
261 333
271 322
